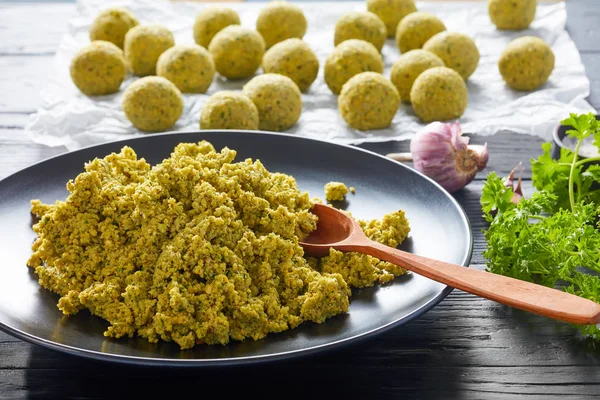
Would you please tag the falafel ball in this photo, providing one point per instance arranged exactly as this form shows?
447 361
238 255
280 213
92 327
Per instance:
526 63
408 67
277 99
229 110
144 44
98 68
439 94
294 59
280 20
211 21
512 14
368 101
416 29
391 12
457 51
363 25
112 24
189 66
152 104
348 59
237 51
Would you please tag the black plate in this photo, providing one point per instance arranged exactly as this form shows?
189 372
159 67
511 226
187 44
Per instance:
439 229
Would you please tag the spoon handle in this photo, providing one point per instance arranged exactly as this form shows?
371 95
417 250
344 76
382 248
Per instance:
524 295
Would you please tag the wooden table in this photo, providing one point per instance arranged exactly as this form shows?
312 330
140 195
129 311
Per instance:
466 347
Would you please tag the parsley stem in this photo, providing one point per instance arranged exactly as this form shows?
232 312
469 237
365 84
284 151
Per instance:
572 174
586 160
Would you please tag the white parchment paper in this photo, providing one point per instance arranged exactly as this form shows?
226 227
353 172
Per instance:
69 118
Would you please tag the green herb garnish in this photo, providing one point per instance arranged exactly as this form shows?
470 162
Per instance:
553 237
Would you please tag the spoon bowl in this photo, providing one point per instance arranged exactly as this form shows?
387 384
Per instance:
337 230
333 228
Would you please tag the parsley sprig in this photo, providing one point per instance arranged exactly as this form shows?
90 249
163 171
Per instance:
553 237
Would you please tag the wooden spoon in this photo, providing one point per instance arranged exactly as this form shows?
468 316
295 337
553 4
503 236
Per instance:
337 230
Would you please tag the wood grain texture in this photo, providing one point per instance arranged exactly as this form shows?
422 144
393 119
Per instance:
23 78
466 347
17 151
591 61
16 23
582 24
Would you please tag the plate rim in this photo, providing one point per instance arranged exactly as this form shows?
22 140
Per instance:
252 359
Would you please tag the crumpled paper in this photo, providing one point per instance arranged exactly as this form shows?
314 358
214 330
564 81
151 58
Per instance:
69 118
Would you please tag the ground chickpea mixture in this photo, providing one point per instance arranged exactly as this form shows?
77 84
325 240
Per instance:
335 191
197 249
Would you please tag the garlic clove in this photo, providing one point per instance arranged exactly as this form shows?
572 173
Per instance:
441 152
483 155
518 191
510 179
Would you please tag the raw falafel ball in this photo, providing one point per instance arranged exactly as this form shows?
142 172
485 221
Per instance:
294 59
189 66
368 101
277 99
211 21
280 20
363 25
439 94
408 67
457 51
229 110
152 104
416 29
348 59
237 51
526 63
391 12
112 24
144 44
512 14
98 68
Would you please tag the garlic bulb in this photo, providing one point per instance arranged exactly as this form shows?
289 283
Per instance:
441 152
510 182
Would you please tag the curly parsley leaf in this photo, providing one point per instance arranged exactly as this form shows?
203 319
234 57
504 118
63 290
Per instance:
528 244
552 238
583 126
495 196
552 176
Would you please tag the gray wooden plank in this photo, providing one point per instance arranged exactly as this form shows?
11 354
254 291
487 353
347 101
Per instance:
21 26
419 383
424 373
591 61
22 80
17 151
13 120
582 24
